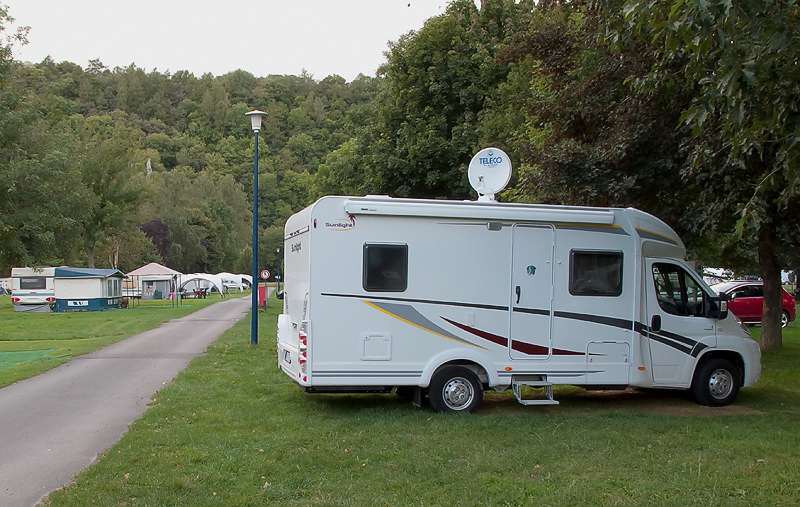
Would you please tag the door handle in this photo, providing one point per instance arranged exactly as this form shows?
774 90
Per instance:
518 290
655 323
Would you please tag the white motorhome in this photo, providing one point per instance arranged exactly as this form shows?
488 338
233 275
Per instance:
32 289
449 298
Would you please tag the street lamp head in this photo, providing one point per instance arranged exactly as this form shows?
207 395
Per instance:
255 119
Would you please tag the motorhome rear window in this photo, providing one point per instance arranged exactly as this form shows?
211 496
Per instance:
385 267
33 282
593 273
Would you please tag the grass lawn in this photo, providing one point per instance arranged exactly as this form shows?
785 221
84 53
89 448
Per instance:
32 343
232 430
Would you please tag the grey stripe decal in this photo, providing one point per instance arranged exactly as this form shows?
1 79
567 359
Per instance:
698 348
667 341
425 301
593 228
597 319
655 237
360 373
678 338
548 373
531 311
410 314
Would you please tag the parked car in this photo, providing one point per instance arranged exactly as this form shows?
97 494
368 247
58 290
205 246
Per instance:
746 301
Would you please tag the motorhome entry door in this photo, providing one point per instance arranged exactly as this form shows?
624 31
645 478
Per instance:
531 292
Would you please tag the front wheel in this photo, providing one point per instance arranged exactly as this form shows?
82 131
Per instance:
455 389
784 319
716 383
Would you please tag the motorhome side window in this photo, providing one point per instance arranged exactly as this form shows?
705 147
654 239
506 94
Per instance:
677 292
595 273
385 267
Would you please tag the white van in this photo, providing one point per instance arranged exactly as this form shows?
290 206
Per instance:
445 299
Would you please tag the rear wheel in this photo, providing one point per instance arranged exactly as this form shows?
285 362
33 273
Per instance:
716 383
455 389
784 319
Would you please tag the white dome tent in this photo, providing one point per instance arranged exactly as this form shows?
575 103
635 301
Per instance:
248 279
234 281
214 281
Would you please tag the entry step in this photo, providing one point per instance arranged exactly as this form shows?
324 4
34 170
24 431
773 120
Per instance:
537 382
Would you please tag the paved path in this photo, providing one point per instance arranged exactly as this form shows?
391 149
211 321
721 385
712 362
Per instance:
54 425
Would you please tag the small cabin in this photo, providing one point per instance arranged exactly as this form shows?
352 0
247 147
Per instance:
87 289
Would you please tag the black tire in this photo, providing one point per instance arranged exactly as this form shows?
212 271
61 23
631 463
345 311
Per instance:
455 389
784 319
716 383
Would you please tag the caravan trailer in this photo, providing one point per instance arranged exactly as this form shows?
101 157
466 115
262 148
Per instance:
87 289
445 299
32 289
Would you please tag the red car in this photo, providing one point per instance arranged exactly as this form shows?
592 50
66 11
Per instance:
746 301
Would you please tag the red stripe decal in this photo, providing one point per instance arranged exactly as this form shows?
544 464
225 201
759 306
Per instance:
524 347
529 348
481 334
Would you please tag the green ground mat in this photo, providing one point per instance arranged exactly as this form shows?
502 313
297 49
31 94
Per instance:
9 359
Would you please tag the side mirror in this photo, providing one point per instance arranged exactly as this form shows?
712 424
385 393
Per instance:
717 306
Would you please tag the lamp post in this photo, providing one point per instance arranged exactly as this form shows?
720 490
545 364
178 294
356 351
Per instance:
255 121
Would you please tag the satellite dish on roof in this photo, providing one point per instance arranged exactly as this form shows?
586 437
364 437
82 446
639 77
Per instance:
489 172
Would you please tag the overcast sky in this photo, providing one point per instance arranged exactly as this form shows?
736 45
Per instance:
324 37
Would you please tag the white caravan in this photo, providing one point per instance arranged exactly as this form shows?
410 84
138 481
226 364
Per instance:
448 298
32 289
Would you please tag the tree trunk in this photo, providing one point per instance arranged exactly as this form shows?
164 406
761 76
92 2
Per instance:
89 257
771 337
116 245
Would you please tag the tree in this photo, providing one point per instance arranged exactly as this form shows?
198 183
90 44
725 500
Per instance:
38 195
40 201
341 173
436 83
228 213
158 233
198 222
587 135
175 122
739 60
127 251
103 155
